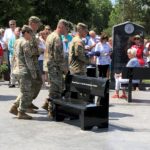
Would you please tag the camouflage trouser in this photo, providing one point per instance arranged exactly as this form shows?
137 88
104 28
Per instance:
34 86
24 99
56 82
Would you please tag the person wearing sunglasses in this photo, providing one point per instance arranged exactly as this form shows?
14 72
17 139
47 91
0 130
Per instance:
139 46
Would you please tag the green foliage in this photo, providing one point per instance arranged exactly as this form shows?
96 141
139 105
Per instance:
15 9
137 11
95 13
101 10
3 68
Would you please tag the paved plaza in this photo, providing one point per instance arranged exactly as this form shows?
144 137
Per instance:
129 126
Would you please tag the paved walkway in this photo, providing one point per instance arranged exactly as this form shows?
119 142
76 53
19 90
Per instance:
129 127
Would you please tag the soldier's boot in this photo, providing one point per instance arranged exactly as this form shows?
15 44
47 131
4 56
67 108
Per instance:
33 106
14 110
32 111
45 105
23 115
50 110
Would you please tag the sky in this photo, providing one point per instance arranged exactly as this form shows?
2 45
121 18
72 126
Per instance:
113 2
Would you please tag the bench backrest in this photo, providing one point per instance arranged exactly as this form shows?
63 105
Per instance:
136 73
88 85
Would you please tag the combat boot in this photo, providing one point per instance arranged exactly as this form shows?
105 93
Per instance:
23 115
32 111
45 105
14 110
33 106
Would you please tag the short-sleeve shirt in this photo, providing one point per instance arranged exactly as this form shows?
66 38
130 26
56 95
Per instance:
133 63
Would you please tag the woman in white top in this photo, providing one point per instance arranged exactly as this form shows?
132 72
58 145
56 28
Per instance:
103 61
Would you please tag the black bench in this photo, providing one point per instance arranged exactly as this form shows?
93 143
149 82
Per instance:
89 113
134 74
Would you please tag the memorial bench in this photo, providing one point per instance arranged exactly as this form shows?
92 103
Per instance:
89 113
135 74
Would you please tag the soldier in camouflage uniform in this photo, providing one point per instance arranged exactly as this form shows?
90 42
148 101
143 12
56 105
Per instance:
26 71
77 58
34 23
56 62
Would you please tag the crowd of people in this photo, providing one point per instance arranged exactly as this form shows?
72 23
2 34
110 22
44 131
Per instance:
36 57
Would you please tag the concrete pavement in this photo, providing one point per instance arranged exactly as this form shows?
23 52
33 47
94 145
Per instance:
129 127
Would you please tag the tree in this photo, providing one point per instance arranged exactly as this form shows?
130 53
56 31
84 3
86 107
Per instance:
100 10
15 9
51 11
133 10
95 13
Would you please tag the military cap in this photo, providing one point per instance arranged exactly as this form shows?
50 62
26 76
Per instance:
34 19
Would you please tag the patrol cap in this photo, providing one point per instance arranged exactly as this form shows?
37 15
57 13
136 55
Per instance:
82 26
34 19
26 28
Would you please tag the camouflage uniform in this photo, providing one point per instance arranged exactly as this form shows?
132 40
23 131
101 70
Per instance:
37 83
26 71
56 64
77 59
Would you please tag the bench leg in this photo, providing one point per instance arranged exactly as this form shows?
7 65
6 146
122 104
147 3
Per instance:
94 117
57 115
83 123
130 91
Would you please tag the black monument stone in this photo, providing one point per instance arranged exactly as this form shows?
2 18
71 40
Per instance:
123 35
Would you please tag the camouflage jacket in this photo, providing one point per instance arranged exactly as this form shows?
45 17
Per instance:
77 59
23 58
54 54
36 51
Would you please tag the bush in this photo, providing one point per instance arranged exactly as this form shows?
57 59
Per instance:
3 68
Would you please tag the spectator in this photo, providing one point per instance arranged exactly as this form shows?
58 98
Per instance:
66 39
133 62
11 53
1 44
2 31
1 54
147 49
9 33
104 60
94 39
139 48
47 29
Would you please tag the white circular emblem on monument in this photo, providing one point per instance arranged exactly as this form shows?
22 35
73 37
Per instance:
129 28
